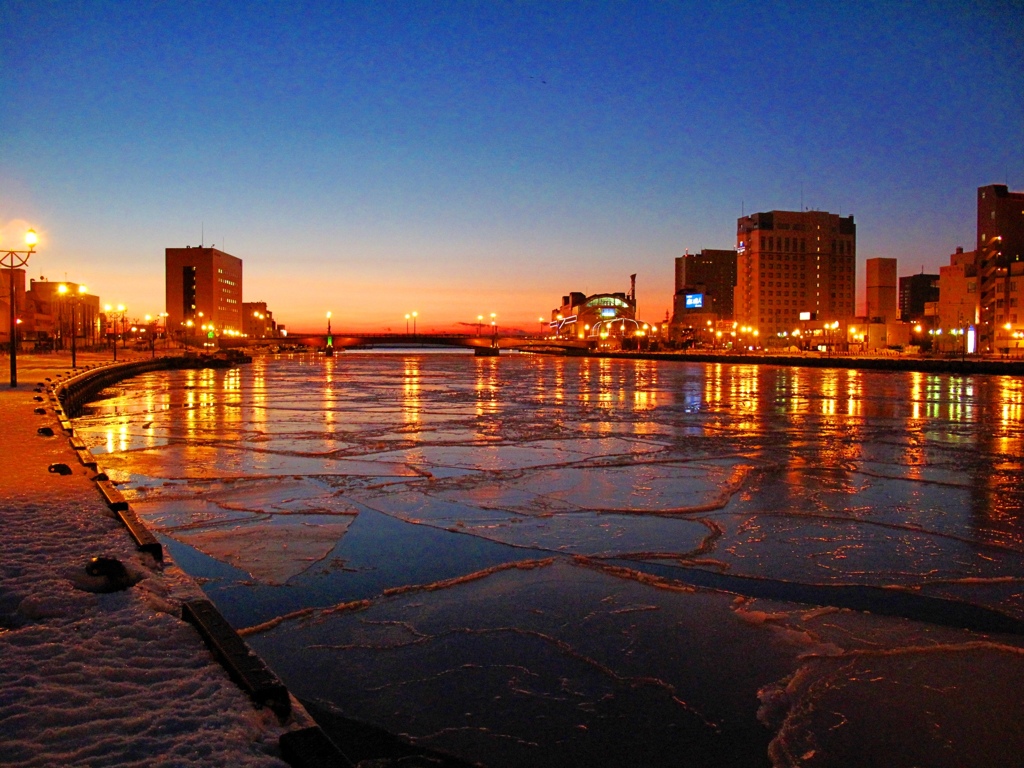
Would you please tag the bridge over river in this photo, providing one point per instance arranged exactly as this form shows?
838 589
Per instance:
486 344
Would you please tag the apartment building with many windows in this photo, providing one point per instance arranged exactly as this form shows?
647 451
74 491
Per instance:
204 286
793 267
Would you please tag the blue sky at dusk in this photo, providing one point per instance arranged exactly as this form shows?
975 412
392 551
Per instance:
465 158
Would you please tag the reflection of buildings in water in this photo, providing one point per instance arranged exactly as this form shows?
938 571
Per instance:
994 462
645 387
854 395
960 400
558 385
327 399
411 403
1011 394
486 385
586 380
829 391
744 389
713 385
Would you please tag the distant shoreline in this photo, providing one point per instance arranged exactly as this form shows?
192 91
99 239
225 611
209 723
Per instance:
966 366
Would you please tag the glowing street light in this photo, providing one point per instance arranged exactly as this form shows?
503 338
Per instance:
118 315
17 260
75 300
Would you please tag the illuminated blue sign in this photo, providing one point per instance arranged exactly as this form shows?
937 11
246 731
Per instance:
608 312
695 301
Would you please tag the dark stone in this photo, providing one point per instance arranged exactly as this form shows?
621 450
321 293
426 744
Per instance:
45 431
60 469
112 570
41 411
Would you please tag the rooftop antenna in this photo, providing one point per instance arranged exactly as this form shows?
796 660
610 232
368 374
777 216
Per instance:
801 196
202 234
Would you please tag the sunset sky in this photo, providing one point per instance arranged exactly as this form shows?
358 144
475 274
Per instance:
463 158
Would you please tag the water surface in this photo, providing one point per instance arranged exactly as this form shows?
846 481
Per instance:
534 560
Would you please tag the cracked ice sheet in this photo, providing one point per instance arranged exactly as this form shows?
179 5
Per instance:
589 533
224 461
271 551
898 693
588 510
504 456
554 665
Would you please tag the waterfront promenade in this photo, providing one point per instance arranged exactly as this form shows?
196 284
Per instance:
89 677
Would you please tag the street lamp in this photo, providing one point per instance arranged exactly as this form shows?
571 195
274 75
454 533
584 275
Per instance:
120 313
330 341
414 315
63 289
407 316
16 260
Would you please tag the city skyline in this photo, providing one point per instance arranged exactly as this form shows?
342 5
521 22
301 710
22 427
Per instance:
373 160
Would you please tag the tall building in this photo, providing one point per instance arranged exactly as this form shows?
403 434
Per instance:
1000 257
959 297
794 265
203 285
709 275
915 292
882 297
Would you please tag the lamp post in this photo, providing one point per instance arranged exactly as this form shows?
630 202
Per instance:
16 260
63 289
414 315
330 340
479 324
120 313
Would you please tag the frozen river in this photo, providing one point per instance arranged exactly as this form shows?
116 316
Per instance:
548 561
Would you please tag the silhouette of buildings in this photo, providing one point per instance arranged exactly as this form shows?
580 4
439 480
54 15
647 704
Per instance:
882 297
204 286
601 315
1000 265
705 286
794 267
916 291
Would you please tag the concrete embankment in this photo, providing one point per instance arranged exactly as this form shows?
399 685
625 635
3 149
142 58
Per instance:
967 366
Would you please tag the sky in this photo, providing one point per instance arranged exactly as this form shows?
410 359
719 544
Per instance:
462 158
